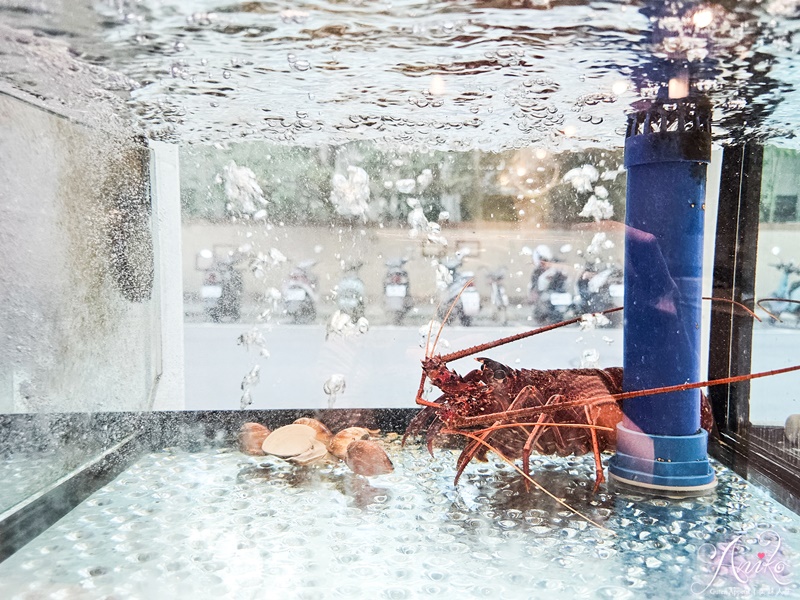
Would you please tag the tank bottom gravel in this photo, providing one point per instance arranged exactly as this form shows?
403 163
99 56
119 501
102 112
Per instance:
219 524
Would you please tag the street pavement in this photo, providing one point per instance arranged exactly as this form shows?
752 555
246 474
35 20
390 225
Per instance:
381 367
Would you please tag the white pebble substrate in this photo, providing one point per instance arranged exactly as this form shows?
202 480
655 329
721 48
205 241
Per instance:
219 524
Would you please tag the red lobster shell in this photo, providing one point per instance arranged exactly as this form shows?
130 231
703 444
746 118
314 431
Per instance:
518 411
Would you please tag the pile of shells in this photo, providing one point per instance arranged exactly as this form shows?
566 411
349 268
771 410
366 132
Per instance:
308 441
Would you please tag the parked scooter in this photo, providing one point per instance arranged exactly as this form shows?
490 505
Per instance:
468 305
299 293
787 312
548 288
396 290
499 297
222 292
350 292
599 290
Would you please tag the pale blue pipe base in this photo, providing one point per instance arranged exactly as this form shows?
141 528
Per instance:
675 465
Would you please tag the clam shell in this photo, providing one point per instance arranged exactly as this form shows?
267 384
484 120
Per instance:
324 434
289 440
368 458
251 438
317 453
339 442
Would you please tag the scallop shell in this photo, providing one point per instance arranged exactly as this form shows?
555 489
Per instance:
368 458
289 440
324 434
251 438
339 442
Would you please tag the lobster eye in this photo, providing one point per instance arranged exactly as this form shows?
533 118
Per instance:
499 374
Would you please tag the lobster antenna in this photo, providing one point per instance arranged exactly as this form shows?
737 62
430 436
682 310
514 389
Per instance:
520 336
450 310
702 384
430 330
739 304
516 337
770 313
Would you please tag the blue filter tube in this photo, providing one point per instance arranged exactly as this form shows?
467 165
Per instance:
660 444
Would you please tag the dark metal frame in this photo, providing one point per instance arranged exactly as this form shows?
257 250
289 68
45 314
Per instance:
757 453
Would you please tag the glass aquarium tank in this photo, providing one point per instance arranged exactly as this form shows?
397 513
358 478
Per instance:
399 299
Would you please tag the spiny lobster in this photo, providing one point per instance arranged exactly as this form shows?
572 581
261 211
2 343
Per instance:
516 411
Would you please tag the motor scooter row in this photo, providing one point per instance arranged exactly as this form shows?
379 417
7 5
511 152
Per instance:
597 288
300 294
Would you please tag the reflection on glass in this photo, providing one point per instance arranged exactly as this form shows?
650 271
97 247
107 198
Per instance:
323 253
777 338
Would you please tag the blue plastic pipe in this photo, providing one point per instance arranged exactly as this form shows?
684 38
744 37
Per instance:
660 444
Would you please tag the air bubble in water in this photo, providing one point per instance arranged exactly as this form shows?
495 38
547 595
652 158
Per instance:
350 195
597 208
341 324
405 186
254 337
333 386
597 243
582 178
301 65
591 321
590 359
241 188
250 380
428 333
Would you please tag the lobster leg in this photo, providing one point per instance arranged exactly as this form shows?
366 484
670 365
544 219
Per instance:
472 448
535 433
430 436
598 463
421 420
528 447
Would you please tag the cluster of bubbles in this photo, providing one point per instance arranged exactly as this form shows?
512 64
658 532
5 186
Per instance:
584 180
421 227
428 334
243 192
565 77
246 204
350 195
248 62
333 386
342 325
